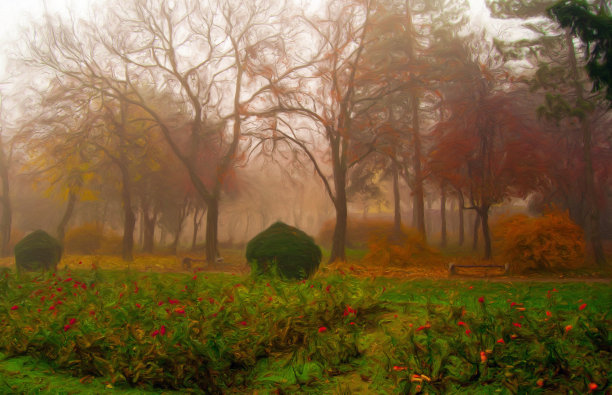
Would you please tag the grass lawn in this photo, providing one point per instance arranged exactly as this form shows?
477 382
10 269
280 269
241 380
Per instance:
84 330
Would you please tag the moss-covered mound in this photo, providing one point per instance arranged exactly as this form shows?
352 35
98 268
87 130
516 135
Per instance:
38 251
284 250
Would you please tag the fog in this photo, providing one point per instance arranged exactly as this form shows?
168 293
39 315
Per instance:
187 127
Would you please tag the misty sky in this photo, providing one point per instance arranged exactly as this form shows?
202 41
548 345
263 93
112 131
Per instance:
16 14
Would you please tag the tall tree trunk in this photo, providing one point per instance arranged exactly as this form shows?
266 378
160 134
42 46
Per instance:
212 229
419 203
592 220
61 228
397 216
486 234
338 252
129 219
181 215
197 220
461 218
149 222
475 234
443 213
5 223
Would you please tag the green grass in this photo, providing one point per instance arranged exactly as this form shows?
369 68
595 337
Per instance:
234 334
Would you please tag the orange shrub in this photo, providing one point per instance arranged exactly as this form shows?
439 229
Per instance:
357 233
386 250
89 239
546 242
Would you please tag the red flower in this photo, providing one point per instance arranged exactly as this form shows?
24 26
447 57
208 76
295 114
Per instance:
154 333
83 286
267 284
173 301
243 323
399 368
481 299
52 307
59 289
327 288
582 306
162 330
91 312
548 313
592 386
195 277
501 341
199 299
351 323
568 328
179 310
80 262
160 303
517 324
66 327
138 305
471 287
420 328
68 279
483 357
15 307
461 323
322 329
72 321
467 332
540 382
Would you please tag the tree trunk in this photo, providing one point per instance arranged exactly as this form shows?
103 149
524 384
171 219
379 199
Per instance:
129 219
61 228
397 216
461 219
476 229
443 214
592 220
486 234
5 223
149 222
419 204
212 223
197 220
338 252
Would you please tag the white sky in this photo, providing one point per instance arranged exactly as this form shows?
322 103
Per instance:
16 14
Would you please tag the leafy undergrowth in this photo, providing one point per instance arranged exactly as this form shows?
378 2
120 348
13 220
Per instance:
222 333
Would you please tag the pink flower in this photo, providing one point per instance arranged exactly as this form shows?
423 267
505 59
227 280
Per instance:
15 307
162 330
322 329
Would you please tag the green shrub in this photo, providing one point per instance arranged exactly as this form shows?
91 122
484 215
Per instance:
284 250
38 251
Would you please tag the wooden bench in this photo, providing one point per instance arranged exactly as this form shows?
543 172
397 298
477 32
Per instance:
452 267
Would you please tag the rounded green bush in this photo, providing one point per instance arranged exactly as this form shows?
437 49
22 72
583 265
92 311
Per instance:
284 250
38 251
